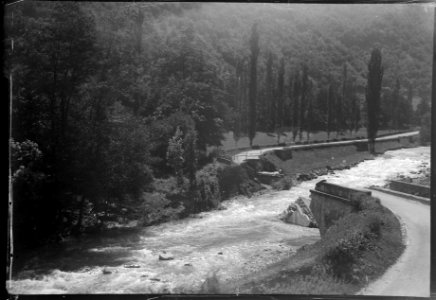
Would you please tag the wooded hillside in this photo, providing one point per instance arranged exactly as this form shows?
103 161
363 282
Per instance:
109 97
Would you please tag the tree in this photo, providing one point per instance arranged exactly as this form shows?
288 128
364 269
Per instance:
280 98
341 112
175 155
269 99
407 108
331 112
355 108
421 109
395 109
254 47
305 85
295 104
48 95
373 88
190 156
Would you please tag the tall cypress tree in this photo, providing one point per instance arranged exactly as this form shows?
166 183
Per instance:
303 102
269 100
280 97
341 105
373 88
396 105
254 47
330 109
296 90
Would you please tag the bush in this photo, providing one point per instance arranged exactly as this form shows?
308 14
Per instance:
284 183
216 152
425 131
350 237
231 179
207 193
366 202
155 208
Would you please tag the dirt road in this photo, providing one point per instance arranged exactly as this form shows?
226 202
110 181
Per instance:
410 276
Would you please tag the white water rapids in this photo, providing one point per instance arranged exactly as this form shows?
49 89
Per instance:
245 237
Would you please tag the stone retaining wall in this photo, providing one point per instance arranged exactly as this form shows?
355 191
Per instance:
330 202
410 188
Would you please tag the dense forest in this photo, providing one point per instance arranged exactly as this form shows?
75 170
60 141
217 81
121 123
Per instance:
116 105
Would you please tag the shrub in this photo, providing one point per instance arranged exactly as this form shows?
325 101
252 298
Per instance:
347 240
155 208
425 131
366 202
207 193
284 183
231 179
216 152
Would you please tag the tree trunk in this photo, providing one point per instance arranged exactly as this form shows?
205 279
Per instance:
76 229
371 146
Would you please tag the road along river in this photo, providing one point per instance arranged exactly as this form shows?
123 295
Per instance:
410 276
229 244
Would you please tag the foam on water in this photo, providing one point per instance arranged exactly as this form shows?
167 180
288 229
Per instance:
232 243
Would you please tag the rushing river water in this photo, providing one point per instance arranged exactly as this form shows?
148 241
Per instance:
245 237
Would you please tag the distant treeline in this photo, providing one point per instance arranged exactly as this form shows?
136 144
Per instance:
114 104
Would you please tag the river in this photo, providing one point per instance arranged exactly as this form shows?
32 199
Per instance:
245 237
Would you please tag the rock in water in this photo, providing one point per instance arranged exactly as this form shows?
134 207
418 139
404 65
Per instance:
132 266
106 271
299 213
165 257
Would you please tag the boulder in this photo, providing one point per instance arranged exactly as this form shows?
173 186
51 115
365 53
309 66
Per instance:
299 213
304 177
132 266
165 257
